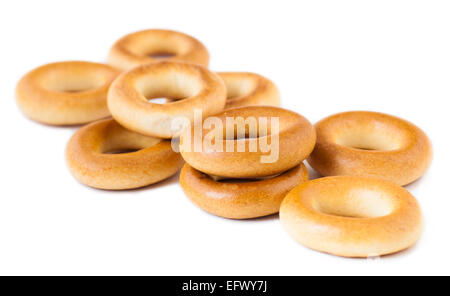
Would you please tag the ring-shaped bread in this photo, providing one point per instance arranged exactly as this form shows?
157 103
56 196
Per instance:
352 216
248 142
249 89
237 199
92 157
371 144
190 87
150 46
66 93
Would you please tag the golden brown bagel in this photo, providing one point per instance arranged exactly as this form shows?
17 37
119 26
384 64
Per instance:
249 89
196 88
352 216
89 162
240 200
152 46
296 137
66 93
371 144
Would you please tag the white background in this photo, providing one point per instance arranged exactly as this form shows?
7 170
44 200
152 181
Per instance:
325 56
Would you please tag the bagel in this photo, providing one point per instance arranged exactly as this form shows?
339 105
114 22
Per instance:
296 138
240 200
352 216
129 94
371 144
89 162
152 46
66 93
249 89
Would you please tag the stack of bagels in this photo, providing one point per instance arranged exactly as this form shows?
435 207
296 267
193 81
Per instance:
358 209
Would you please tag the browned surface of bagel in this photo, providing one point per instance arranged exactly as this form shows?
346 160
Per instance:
89 162
249 89
352 216
240 200
296 141
371 144
143 47
66 93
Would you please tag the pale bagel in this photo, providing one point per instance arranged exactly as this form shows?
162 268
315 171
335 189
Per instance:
249 89
150 46
66 93
371 144
191 87
89 162
352 216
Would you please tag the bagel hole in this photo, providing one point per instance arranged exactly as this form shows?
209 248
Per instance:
161 55
357 203
364 148
122 141
238 88
370 139
74 90
160 100
153 44
61 81
236 181
248 128
244 136
169 85
121 151
77 87
228 180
